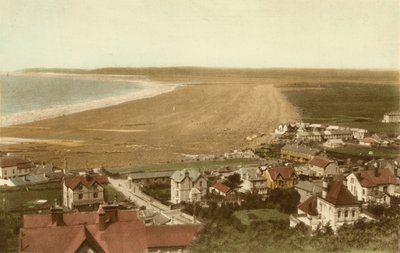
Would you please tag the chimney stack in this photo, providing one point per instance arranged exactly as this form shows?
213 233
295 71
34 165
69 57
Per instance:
102 218
57 214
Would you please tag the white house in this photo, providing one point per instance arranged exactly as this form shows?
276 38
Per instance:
252 180
188 186
322 166
335 207
376 185
83 190
358 133
12 167
333 143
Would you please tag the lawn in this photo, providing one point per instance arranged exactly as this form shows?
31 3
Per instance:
205 165
348 104
360 152
248 216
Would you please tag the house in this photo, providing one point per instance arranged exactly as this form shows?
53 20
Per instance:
309 136
108 230
220 189
252 180
322 166
150 177
298 153
391 117
13 167
373 185
286 128
338 134
308 188
333 143
358 133
188 186
84 189
369 141
280 177
335 207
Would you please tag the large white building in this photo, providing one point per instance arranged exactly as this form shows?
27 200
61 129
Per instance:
83 190
12 167
335 207
391 117
374 185
187 186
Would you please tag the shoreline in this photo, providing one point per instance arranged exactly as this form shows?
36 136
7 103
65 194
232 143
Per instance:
149 89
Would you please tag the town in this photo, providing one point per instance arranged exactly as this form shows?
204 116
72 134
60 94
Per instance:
168 209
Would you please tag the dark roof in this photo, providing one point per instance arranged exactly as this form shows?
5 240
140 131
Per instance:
15 161
179 175
86 180
338 194
284 172
309 206
300 149
372 178
319 161
221 187
125 233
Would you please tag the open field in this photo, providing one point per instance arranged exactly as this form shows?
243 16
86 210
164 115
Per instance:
349 104
211 117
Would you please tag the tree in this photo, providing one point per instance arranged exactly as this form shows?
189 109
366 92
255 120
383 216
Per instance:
233 181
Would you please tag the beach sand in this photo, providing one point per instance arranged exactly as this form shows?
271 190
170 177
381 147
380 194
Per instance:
211 117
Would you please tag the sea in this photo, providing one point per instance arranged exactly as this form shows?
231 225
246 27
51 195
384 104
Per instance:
20 94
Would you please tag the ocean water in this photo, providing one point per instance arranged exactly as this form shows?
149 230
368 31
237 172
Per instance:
32 93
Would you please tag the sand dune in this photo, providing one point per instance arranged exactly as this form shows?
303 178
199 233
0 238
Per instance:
208 118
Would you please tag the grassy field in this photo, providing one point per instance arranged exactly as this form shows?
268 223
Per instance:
248 216
361 152
205 165
349 104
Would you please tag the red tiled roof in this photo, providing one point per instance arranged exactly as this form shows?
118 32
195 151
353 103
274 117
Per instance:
170 236
15 161
221 187
368 178
284 172
320 162
125 234
369 140
338 194
309 206
87 180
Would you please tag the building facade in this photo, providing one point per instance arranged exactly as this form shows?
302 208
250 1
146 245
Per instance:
12 167
322 166
298 153
280 177
187 186
83 190
391 117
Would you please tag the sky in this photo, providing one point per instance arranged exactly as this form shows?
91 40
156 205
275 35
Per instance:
356 34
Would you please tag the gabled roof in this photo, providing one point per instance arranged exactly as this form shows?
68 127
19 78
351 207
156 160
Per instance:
284 172
339 195
309 206
87 180
8 161
221 187
372 178
321 162
179 175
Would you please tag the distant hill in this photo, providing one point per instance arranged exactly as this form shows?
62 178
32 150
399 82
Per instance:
315 74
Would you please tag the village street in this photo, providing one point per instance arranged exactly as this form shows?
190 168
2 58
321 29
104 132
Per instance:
134 194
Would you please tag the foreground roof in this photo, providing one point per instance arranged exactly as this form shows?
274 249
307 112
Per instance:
124 233
373 178
86 180
338 194
309 206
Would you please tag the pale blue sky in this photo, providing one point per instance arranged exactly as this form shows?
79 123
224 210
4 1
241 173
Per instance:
231 33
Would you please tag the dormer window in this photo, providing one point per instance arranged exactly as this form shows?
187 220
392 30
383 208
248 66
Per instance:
80 187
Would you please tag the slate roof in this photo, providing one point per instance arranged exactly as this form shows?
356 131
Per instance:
339 195
125 234
300 149
319 161
309 206
284 172
179 175
87 180
369 178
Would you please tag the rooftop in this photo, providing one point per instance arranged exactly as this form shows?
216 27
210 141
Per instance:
10 161
179 175
86 180
339 195
319 161
373 178
283 172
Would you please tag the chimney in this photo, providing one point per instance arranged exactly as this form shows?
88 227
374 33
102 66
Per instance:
376 171
325 183
56 215
344 180
111 212
102 218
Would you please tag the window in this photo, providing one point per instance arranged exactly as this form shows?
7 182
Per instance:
346 214
201 183
80 187
353 213
80 196
5 172
339 213
95 195
177 194
385 188
13 171
352 180
363 191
